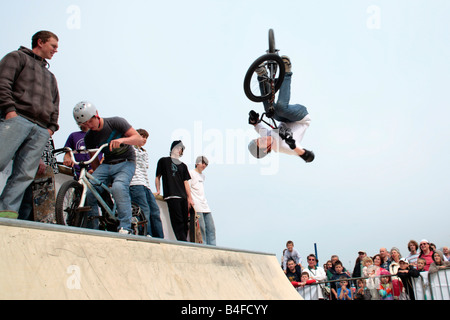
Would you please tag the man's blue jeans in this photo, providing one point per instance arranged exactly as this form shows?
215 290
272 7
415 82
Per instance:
24 141
119 177
145 199
207 228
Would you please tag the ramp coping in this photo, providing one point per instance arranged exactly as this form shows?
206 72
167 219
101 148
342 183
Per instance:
99 233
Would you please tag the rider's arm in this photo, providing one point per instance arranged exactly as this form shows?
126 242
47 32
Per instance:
132 137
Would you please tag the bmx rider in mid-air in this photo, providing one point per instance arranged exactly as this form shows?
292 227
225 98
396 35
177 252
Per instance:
293 120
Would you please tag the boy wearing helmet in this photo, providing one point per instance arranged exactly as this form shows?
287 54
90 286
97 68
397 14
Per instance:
294 120
119 161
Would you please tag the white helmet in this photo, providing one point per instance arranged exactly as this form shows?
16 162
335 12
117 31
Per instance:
84 111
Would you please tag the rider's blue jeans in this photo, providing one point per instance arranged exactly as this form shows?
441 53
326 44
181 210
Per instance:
285 112
145 199
24 141
119 177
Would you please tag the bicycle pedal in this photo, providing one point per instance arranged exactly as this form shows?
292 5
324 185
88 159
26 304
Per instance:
83 209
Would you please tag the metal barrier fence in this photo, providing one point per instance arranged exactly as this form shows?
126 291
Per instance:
427 286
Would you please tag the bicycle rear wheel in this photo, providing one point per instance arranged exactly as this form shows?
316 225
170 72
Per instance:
67 203
274 66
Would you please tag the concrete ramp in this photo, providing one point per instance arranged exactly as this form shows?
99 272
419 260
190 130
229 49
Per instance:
41 261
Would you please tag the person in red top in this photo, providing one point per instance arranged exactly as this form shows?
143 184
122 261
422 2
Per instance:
426 253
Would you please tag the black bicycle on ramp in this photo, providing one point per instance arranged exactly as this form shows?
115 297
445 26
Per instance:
265 76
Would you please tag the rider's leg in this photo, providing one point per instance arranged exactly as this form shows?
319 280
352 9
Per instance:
122 173
284 111
284 95
102 175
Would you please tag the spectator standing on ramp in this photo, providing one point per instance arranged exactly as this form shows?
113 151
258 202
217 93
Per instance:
29 106
140 190
175 179
201 206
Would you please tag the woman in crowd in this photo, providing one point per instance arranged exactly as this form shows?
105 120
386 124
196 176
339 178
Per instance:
438 262
426 253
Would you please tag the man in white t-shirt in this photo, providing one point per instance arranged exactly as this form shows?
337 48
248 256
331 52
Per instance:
201 206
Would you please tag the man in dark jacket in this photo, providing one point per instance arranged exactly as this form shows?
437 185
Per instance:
29 111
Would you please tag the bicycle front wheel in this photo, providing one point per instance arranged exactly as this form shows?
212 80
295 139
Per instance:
272 48
67 203
275 72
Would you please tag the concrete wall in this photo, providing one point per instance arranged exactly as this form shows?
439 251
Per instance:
44 261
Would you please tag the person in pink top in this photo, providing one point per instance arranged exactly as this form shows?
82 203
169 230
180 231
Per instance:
426 253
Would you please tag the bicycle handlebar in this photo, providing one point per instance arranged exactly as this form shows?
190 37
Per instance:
73 152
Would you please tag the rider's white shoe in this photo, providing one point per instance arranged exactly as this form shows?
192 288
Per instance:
261 70
123 231
287 63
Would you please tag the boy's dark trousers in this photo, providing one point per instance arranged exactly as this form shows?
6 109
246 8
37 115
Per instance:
178 212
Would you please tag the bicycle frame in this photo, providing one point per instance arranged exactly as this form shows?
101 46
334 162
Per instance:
273 126
88 181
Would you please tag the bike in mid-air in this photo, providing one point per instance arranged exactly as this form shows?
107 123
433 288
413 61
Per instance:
262 86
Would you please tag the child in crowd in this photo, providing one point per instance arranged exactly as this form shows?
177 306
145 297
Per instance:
367 269
339 269
306 279
385 289
370 271
344 292
421 263
406 272
362 293
291 253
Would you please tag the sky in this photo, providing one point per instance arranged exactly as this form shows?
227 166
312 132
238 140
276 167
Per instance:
373 74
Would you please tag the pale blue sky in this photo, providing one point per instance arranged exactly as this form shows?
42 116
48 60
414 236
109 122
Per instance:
376 98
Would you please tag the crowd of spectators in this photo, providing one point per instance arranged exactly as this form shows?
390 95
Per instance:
385 275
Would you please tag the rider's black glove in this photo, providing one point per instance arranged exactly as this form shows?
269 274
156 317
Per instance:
285 133
253 118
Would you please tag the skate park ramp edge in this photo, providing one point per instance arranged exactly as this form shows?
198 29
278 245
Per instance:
51 262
